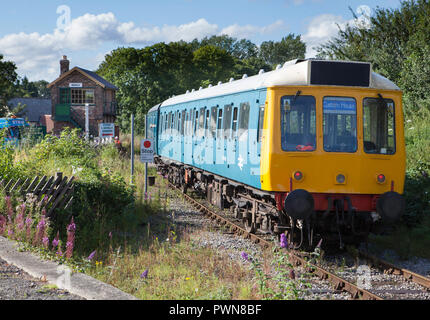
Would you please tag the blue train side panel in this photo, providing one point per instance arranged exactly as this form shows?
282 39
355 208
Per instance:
218 135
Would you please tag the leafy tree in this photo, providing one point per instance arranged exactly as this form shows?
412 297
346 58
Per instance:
8 77
289 48
396 43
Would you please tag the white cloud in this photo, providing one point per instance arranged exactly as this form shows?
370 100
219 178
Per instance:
323 27
247 31
37 55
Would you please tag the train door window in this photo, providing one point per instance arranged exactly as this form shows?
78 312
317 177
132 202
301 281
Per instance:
196 121
260 124
186 123
207 123
178 122
212 127
161 124
340 124
244 120
227 120
219 126
166 121
201 121
234 124
379 126
169 125
190 121
183 122
298 123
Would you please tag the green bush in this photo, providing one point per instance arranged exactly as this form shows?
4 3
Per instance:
417 184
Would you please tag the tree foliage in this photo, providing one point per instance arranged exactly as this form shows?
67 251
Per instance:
396 42
8 77
152 74
289 48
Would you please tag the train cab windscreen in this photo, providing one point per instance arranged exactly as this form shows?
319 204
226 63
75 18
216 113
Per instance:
298 123
378 126
340 124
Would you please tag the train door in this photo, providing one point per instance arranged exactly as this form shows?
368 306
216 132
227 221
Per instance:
231 136
207 151
243 140
188 149
194 132
182 135
199 154
227 145
170 135
219 139
256 137
211 134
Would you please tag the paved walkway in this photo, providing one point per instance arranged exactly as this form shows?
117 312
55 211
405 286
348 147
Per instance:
20 272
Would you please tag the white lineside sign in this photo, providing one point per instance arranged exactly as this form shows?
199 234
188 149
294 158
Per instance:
146 151
106 130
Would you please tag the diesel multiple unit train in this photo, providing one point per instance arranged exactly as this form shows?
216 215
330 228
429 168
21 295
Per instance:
314 149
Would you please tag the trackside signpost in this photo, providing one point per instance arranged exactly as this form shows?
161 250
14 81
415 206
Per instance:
146 151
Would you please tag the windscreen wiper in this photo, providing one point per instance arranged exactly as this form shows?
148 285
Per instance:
296 96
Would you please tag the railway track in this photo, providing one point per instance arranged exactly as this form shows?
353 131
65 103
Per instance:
392 282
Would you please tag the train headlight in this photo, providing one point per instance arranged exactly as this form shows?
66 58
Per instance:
298 176
340 179
380 178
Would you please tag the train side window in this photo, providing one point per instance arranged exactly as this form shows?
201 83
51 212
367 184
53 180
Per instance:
227 120
244 120
219 127
212 127
234 125
379 130
260 124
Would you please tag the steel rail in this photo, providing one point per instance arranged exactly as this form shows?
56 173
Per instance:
338 282
389 268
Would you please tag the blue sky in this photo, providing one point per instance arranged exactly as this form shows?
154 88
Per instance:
35 34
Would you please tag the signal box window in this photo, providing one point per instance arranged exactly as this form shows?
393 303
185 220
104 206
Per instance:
379 126
298 123
340 124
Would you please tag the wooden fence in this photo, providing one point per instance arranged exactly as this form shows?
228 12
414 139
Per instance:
50 193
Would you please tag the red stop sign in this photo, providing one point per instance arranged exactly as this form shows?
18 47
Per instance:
147 144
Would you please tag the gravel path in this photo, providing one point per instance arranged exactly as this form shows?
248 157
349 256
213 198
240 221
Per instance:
16 284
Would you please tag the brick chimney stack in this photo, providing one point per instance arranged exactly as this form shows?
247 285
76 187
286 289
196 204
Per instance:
64 65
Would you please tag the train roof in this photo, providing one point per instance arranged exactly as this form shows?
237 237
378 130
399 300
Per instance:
295 73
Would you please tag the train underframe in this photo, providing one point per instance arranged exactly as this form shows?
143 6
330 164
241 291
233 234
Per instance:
307 219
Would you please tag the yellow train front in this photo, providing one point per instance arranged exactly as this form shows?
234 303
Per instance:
333 151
